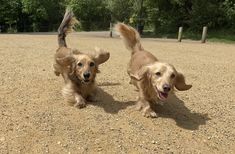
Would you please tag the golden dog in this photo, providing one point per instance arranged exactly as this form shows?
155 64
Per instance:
153 79
78 69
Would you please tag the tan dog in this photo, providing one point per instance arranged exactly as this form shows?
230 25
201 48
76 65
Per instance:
153 79
78 69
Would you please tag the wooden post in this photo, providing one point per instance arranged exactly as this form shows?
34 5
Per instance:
204 33
180 34
111 30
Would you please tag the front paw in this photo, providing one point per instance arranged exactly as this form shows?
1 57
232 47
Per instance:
148 112
80 103
57 73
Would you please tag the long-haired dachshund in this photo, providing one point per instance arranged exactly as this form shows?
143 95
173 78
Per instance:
153 79
78 69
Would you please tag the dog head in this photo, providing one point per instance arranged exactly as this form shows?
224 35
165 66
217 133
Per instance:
85 66
163 78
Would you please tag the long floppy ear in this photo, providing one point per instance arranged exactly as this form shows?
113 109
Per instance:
141 73
180 82
76 52
66 61
100 56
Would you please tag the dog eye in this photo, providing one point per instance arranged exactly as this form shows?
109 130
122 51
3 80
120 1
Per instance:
80 64
172 76
92 64
158 73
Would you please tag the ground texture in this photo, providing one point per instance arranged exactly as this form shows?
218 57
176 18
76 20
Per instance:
34 118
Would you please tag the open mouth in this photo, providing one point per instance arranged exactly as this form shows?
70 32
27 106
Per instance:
86 80
161 95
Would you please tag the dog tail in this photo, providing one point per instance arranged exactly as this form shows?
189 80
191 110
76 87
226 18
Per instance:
130 37
66 26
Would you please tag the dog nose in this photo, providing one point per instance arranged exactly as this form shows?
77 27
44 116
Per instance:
166 88
86 75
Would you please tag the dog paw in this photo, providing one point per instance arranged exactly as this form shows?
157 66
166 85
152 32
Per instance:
149 113
137 107
57 73
80 105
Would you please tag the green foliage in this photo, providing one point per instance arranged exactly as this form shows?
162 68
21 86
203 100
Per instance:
162 16
9 14
93 14
121 10
43 14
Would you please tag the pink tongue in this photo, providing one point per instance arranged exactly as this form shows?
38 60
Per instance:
164 94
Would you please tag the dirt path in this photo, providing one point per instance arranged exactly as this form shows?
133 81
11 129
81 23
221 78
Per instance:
35 119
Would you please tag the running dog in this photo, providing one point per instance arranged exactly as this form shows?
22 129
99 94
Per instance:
153 79
77 68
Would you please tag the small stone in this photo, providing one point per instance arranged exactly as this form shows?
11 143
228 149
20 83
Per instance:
58 142
100 149
2 139
153 142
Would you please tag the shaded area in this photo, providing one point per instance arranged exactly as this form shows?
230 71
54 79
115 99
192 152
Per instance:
108 103
104 84
175 109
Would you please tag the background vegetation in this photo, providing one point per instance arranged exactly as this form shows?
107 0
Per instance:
160 17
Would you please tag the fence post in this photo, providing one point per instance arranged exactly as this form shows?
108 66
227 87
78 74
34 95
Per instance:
180 34
204 33
111 30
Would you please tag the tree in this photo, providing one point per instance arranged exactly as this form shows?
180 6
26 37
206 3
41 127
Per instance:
9 14
44 14
93 15
120 10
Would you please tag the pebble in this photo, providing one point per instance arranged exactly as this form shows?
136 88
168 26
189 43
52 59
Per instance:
2 139
100 149
58 142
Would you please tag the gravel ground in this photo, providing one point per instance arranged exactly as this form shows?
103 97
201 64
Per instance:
34 118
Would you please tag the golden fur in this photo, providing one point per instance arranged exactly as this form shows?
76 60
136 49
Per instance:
78 69
153 79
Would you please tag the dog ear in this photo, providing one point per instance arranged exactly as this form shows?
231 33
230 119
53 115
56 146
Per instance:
180 82
66 61
100 56
141 73
76 52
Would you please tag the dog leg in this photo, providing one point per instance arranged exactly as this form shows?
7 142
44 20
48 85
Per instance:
93 97
148 112
56 69
72 97
145 107
66 77
80 101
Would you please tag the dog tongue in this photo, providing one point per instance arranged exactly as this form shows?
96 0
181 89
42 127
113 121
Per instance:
164 95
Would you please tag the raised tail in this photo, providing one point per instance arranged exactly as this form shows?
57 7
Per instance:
66 27
130 37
